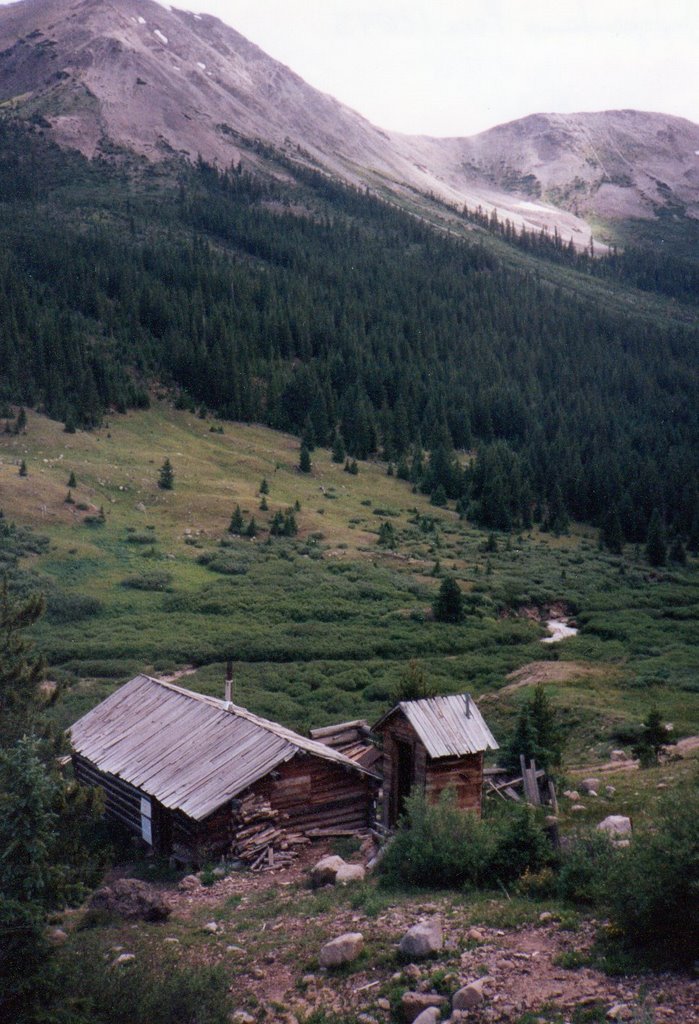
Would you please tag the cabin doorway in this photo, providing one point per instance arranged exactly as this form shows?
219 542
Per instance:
402 779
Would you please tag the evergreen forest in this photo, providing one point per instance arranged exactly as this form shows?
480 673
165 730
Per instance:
304 305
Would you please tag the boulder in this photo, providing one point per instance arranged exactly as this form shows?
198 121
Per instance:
131 898
341 950
413 1004
429 1016
618 755
610 790
475 935
242 1017
189 883
423 939
123 958
468 997
577 808
325 871
615 825
347 873
211 927
590 785
57 936
571 794
620 1011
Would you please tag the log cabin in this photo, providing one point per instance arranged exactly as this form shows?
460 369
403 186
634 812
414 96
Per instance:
431 745
198 777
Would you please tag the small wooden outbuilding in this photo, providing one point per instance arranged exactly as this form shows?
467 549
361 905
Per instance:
430 745
188 772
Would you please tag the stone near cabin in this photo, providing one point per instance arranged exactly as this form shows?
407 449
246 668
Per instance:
620 1011
615 825
190 883
131 898
428 1016
123 958
590 786
423 939
325 871
469 997
413 1004
349 873
341 950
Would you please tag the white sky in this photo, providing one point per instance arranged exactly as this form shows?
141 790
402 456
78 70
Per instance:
455 67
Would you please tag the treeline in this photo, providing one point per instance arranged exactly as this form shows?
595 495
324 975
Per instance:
317 309
645 268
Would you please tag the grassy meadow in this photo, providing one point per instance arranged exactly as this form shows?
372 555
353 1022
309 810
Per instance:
321 626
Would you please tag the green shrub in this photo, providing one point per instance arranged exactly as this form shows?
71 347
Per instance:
584 868
139 538
652 889
441 844
157 581
62 607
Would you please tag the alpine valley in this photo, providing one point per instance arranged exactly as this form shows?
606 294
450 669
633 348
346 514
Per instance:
370 416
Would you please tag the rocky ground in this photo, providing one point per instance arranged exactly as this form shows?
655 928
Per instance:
502 960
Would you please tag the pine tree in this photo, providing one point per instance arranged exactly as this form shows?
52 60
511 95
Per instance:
23 471
612 535
252 528
237 524
264 487
21 672
677 552
305 460
656 547
21 421
338 449
72 482
387 535
166 479
69 500
449 604
654 736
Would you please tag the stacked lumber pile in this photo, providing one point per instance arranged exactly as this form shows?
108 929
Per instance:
260 839
353 739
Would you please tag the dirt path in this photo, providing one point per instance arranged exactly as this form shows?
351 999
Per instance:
542 672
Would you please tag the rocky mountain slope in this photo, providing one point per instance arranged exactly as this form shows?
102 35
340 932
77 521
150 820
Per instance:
160 81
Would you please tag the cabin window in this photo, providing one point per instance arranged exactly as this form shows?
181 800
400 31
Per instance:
146 820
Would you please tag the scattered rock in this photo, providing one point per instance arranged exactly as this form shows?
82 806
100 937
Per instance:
620 1011
219 871
131 898
412 973
123 958
212 927
577 808
475 935
423 939
571 794
140 507
349 873
234 949
615 825
242 1017
383 1004
610 790
189 883
414 1003
325 871
590 786
468 997
171 940
428 1016
57 936
546 916
341 950
618 755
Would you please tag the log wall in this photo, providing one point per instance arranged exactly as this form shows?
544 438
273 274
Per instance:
464 775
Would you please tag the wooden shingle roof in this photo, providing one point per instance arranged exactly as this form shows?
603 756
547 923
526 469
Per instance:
447 726
189 751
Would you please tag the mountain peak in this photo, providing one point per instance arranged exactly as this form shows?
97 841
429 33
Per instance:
163 82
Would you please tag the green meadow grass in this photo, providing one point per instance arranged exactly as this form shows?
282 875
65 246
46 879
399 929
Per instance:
321 626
